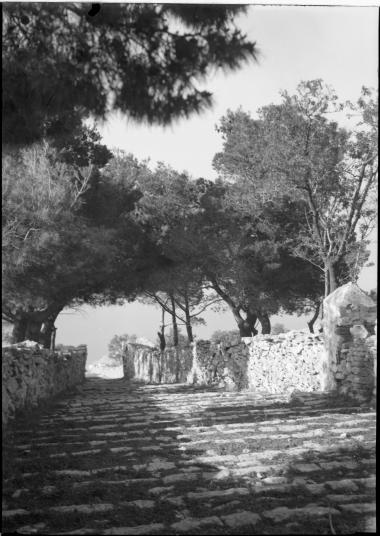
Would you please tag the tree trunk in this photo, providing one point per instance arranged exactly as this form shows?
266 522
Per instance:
246 325
47 332
19 329
174 323
330 278
161 334
33 330
315 316
265 323
189 329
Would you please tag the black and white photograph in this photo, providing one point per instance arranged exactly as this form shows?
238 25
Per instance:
189 267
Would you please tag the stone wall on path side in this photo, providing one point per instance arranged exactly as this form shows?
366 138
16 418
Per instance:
268 363
31 375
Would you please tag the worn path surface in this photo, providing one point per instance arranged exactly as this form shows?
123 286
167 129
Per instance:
125 459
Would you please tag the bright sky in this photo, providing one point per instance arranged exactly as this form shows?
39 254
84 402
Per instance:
337 44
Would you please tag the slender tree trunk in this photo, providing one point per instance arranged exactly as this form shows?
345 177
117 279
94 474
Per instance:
314 317
330 277
265 323
189 329
174 323
326 278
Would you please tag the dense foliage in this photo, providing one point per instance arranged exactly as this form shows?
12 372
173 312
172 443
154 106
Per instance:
62 63
293 150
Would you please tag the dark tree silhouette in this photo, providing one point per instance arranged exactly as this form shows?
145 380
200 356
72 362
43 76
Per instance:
64 61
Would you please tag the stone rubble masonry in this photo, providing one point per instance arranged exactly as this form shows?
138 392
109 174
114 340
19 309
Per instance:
349 365
150 365
267 363
32 375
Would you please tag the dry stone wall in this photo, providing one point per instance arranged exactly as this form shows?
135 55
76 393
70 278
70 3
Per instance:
31 375
149 365
217 364
266 363
286 362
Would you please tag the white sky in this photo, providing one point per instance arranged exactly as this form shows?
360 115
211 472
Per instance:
337 44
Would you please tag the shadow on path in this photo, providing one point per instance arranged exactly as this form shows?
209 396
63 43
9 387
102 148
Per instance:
178 459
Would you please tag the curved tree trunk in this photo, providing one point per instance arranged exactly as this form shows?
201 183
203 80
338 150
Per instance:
247 325
265 323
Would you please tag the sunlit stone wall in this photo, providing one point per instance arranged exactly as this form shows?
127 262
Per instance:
32 374
149 365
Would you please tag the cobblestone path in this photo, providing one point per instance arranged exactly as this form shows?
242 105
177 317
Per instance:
126 459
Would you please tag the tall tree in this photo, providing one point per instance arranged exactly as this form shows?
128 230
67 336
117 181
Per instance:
62 63
293 151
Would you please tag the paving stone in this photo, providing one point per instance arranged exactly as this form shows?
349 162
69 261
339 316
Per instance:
14 513
48 490
361 508
217 493
316 489
31 529
82 508
241 519
367 482
71 472
338 498
121 449
179 477
305 467
142 503
175 501
275 480
139 529
328 466
158 464
283 513
342 485
85 452
193 524
19 492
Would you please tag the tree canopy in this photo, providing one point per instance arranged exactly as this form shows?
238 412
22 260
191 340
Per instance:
62 63
293 150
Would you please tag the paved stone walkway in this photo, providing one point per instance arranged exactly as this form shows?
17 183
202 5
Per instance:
128 459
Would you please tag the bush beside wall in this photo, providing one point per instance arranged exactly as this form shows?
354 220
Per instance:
32 374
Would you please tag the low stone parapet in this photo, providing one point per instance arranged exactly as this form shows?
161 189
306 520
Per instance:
31 375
